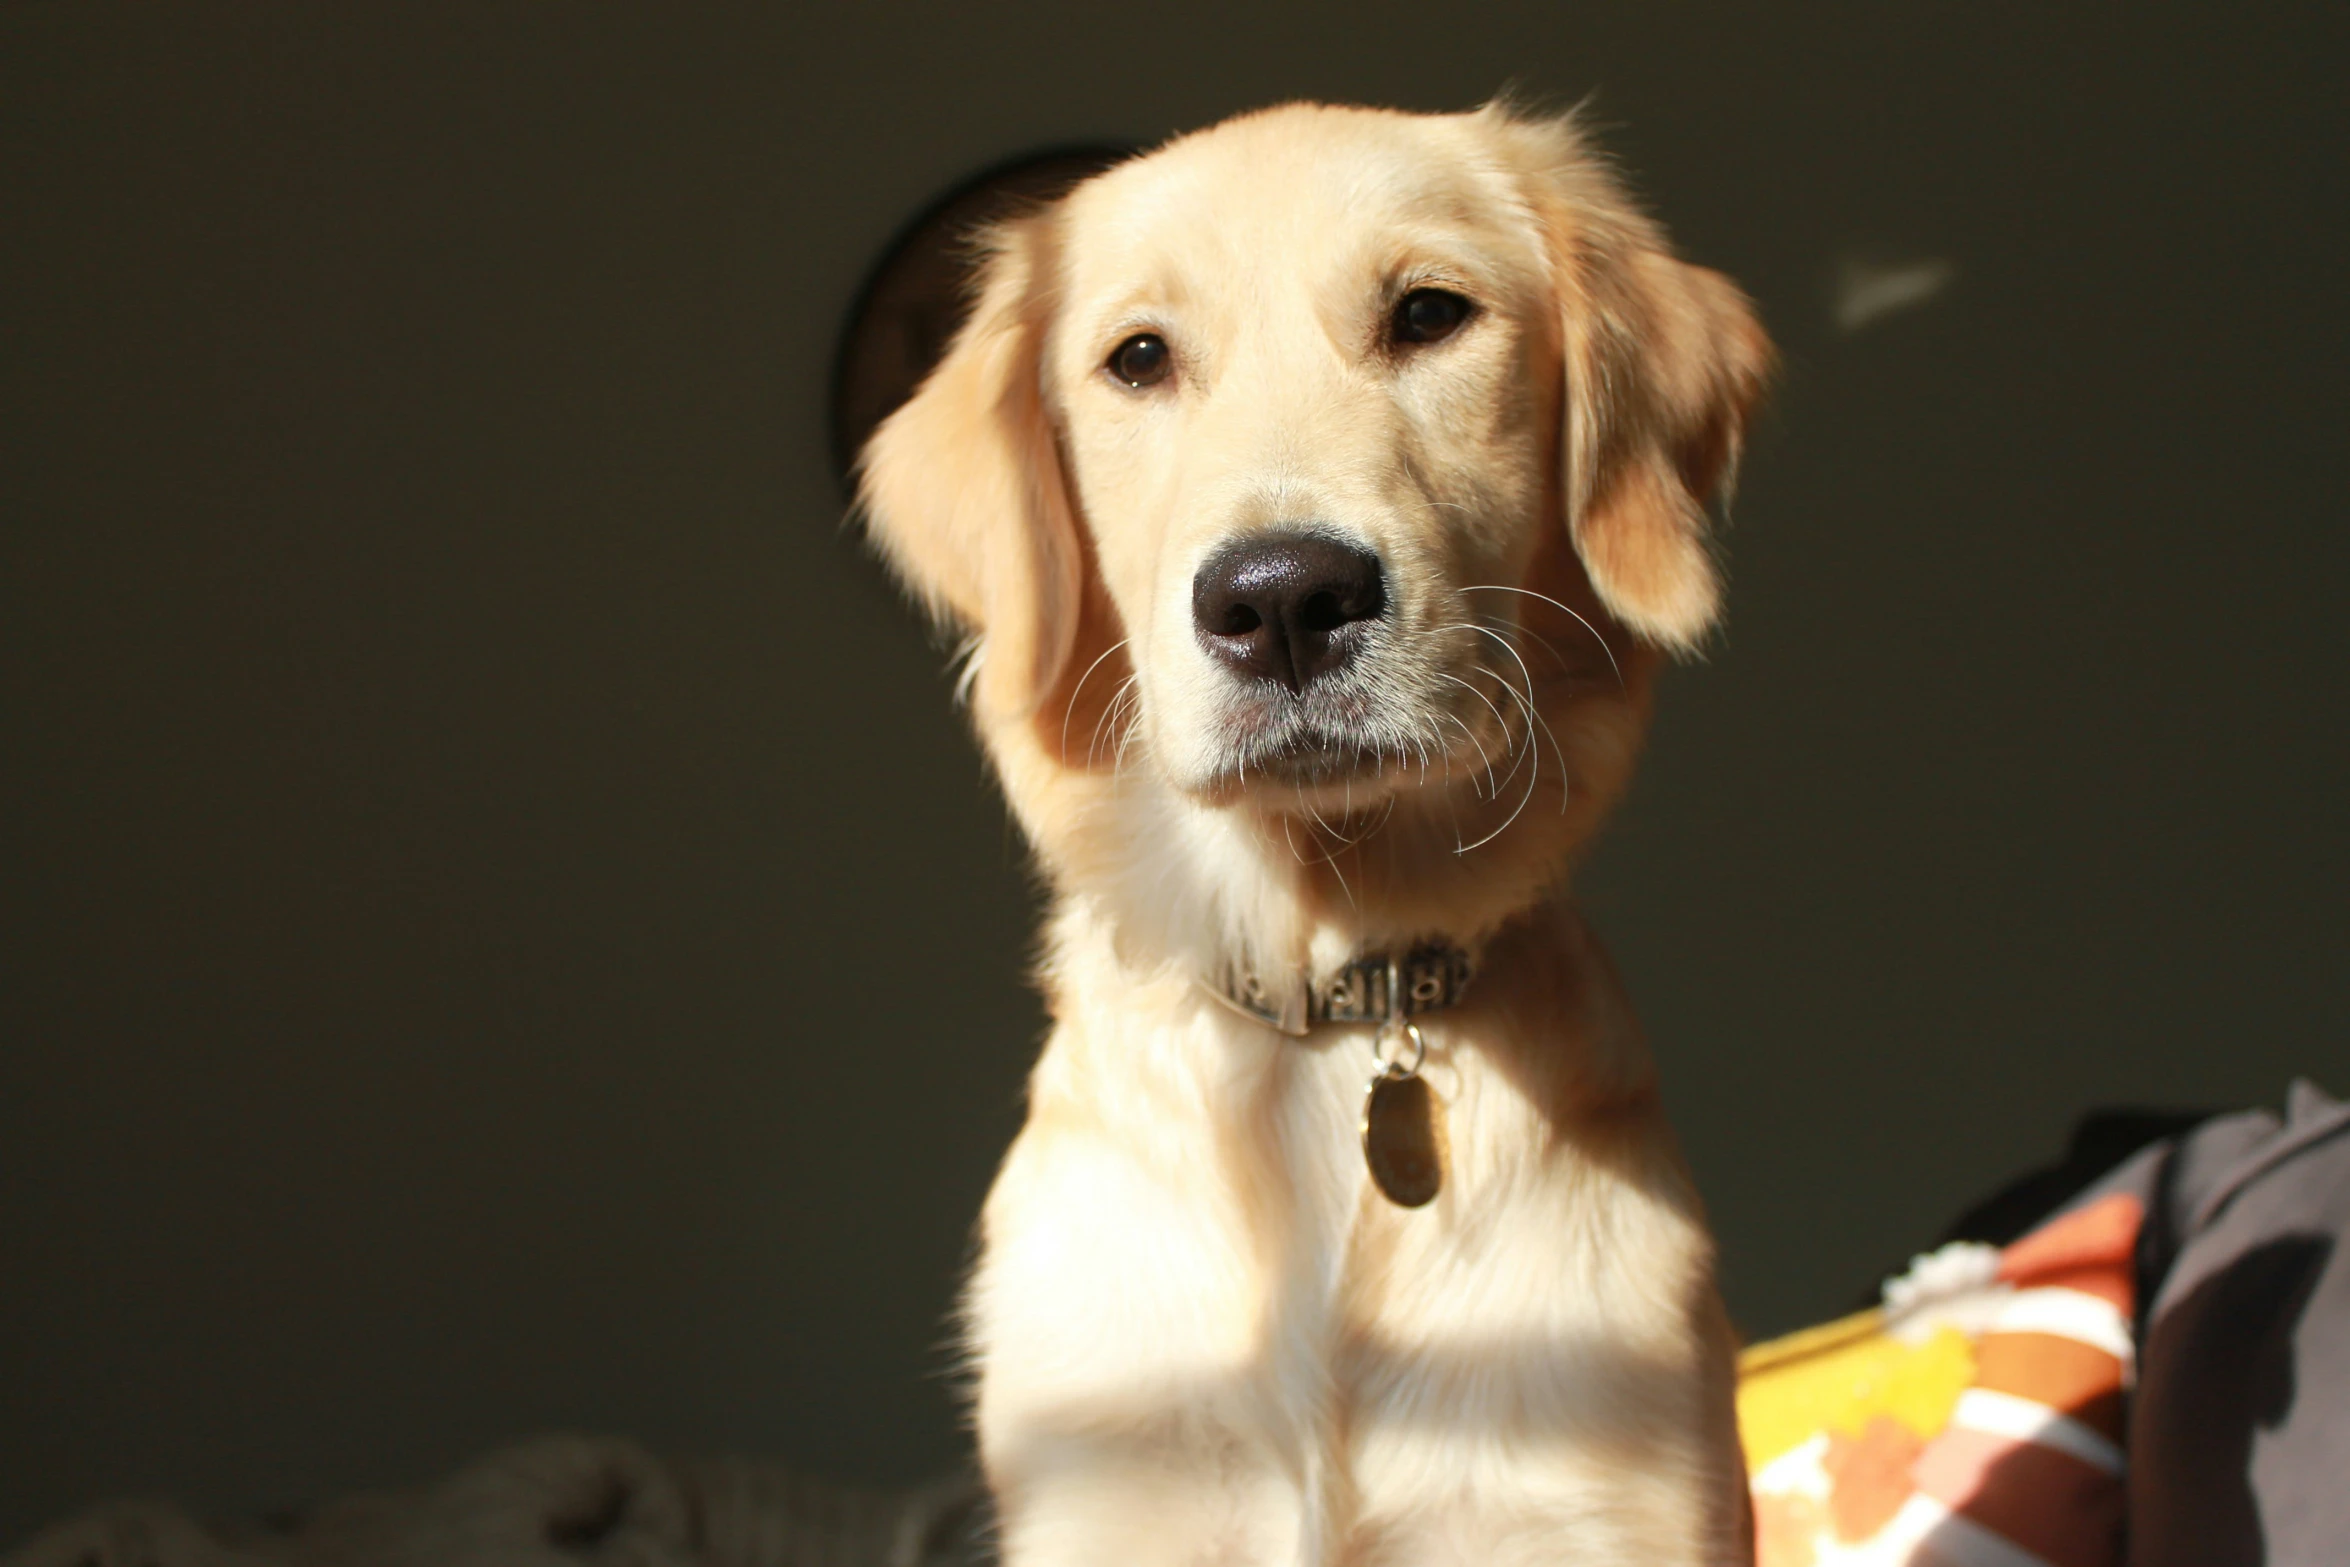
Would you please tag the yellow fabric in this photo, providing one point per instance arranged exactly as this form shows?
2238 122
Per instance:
1839 1376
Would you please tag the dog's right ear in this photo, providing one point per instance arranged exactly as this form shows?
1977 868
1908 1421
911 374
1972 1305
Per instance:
962 488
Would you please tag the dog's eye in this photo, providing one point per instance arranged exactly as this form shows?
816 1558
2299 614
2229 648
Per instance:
1142 360
1429 315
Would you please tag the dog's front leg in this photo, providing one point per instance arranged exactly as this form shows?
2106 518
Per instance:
1126 1414
1157 1499
1556 1387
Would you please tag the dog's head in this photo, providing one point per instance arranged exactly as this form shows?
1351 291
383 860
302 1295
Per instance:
1322 462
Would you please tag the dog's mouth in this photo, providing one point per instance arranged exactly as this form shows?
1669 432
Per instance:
1353 747
1404 716
1361 742
1316 759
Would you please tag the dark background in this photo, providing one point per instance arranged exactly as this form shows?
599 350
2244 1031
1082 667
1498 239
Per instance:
501 926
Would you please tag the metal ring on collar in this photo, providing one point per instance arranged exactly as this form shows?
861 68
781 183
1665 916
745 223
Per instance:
1394 1065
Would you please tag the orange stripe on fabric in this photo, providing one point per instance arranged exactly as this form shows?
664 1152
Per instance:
2050 1503
2103 1235
2110 1285
2065 1374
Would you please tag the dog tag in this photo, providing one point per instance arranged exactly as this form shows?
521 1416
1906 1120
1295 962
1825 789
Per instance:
1403 1139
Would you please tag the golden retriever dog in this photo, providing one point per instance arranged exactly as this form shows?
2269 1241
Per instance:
1320 494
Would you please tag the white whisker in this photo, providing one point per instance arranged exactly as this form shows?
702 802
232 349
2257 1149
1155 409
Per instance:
1510 628
1534 720
1076 690
1108 719
1496 587
1471 735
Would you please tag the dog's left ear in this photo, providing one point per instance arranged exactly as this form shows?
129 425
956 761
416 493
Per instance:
1664 361
962 487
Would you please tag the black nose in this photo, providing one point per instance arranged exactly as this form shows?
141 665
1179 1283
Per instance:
1286 606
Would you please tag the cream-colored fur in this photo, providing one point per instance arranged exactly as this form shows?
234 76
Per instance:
1201 1336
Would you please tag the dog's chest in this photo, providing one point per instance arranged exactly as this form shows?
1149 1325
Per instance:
1182 1210
1316 1101
1188 1280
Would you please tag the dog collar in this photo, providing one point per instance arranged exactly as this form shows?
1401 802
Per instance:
1379 987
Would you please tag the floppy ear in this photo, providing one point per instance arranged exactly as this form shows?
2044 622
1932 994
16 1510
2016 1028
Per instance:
1664 361
962 488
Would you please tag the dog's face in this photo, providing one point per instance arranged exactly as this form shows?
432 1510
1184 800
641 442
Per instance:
1292 422
1305 379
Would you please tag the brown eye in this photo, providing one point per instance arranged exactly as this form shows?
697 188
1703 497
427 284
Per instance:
1429 315
1142 360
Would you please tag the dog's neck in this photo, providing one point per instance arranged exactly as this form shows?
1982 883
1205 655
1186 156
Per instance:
1217 895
